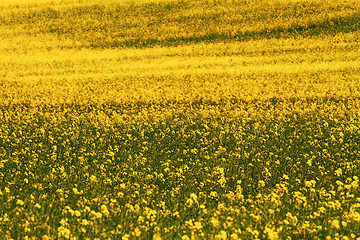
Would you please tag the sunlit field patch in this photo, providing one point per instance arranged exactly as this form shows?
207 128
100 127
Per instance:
179 120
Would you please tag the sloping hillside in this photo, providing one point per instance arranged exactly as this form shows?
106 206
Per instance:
137 119
173 23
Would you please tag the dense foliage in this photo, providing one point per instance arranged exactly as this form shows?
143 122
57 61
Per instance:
180 120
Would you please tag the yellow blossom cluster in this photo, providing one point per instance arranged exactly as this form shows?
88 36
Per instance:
179 119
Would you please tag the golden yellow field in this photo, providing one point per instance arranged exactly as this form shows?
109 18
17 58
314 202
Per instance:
162 119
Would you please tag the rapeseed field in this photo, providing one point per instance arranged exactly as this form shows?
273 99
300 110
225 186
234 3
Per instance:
167 119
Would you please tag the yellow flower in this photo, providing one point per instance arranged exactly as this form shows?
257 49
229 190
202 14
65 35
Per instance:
310 183
214 221
96 214
76 191
59 191
64 221
157 236
137 232
64 232
126 237
335 224
189 202
85 222
338 172
197 225
141 219
185 237
221 206
104 210
193 196
234 236
93 178
213 194
221 236
272 235
77 213
20 202
45 237
222 181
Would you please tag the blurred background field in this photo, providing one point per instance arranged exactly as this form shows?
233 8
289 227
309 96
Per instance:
179 119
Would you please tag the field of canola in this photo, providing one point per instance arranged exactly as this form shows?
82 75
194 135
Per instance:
188 119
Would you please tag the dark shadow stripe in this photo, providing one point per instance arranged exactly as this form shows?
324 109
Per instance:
328 27
193 104
97 26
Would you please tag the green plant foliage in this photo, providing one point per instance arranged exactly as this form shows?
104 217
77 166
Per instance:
179 120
